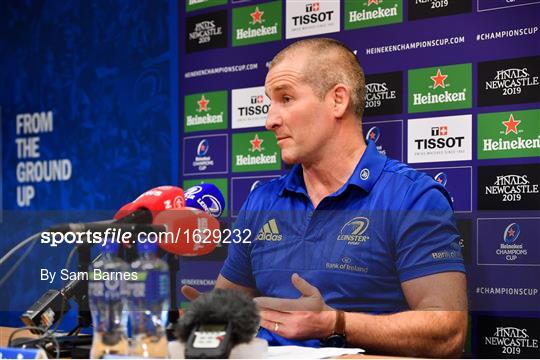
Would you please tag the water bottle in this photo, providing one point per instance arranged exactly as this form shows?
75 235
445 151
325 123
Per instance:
107 293
149 303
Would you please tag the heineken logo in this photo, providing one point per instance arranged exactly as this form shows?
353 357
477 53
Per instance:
257 24
379 13
512 81
249 154
438 80
207 111
203 104
256 16
511 125
256 144
517 135
365 13
440 88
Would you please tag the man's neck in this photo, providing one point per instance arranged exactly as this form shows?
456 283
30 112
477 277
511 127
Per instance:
327 175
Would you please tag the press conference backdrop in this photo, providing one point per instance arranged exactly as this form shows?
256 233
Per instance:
125 96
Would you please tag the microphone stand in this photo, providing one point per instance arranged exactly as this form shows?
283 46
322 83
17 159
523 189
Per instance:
173 262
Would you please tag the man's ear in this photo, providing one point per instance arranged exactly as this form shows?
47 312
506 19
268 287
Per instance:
342 98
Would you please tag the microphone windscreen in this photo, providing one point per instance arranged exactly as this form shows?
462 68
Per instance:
221 306
206 197
190 232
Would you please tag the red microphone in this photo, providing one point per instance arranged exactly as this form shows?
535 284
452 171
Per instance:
149 204
189 231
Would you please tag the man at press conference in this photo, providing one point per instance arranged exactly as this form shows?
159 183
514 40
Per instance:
352 248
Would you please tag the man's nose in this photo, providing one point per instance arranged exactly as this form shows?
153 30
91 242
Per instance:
273 119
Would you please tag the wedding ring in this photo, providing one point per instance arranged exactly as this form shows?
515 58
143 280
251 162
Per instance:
276 327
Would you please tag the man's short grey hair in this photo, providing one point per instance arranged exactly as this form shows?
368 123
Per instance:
330 62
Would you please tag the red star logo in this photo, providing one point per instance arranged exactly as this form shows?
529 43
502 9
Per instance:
260 99
439 180
203 104
256 16
438 80
256 143
511 125
443 130
372 135
511 232
371 2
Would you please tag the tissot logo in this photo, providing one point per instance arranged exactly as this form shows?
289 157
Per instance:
207 31
250 107
305 18
423 9
511 187
256 24
512 81
384 93
503 337
439 139
440 88
509 134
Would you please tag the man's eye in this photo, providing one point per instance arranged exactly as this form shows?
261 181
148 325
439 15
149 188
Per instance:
287 98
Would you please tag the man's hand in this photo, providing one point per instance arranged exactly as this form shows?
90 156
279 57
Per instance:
189 292
302 318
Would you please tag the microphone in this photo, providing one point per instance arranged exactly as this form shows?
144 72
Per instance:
217 321
206 197
190 232
140 211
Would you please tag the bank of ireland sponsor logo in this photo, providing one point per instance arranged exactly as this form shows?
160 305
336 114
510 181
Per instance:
249 107
207 31
511 187
269 232
387 135
201 4
384 93
440 88
439 139
241 187
256 24
257 151
458 182
354 231
509 134
306 18
512 81
488 5
205 111
366 13
503 337
423 9
508 242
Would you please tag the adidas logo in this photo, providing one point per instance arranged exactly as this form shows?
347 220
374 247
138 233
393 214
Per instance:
270 232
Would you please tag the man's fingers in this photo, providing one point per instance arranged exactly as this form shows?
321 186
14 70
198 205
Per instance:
278 304
271 326
189 292
304 287
274 316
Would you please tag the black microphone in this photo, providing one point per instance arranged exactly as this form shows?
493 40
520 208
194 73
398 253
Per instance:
217 321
